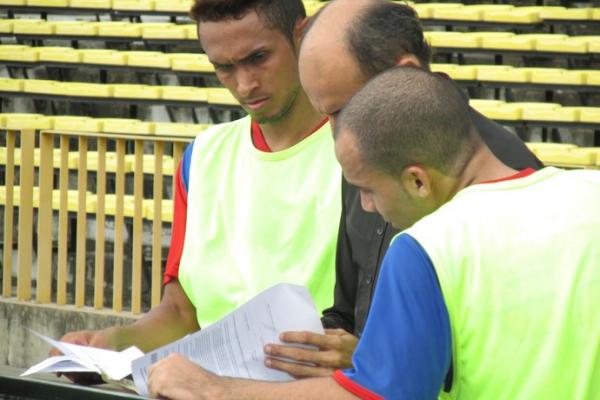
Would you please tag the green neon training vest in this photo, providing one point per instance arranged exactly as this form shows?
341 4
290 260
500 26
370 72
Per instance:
255 219
519 266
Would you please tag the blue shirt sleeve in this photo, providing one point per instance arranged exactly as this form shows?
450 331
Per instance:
405 350
185 165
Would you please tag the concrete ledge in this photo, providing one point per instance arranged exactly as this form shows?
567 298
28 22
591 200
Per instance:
19 348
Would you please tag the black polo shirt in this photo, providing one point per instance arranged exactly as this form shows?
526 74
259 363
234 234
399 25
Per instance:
364 237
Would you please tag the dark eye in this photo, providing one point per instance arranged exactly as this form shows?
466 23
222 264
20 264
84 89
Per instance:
224 68
257 58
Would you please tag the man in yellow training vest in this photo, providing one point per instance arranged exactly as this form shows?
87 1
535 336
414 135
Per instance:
258 200
494 281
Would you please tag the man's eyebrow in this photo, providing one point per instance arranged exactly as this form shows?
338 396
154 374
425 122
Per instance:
244 59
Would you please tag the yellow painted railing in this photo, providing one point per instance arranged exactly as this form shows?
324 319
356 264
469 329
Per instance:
43 191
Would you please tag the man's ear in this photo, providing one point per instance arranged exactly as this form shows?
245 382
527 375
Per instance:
299 28
408 60
417 182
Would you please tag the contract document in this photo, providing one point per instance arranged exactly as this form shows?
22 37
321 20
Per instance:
233 346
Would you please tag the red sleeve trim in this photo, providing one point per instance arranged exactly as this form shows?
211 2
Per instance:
177 229
354 387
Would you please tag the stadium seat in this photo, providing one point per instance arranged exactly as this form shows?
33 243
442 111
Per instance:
501 73
76 28
557 76
152 59
76 124
126 126
173 6
94 4
48 3
221 96
185 93
513 16
148 161
191 63
58 54
564 13
134 91
11 85
103 57
166 210
173 129
135 5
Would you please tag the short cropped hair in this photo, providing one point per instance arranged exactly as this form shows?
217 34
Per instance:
281 15
385 32
407 116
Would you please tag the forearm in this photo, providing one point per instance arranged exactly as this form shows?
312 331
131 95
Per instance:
304 389
172 319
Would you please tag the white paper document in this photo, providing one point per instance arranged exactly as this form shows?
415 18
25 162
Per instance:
233 346
112 365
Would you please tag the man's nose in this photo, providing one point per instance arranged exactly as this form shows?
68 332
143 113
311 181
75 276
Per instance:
247 82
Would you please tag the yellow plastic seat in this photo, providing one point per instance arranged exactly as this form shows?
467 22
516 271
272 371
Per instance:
97 4
592 150
592 77
596 13
558 114
76 124
455 39
589 114
84 89
27 121
148 162
6 25
558 76
9 52
563 13
14 2
102 57
573 158
133 91
509 42
76 28
501 73
174 129
58 54
485 103
17 196
6 117
562 45
166 210
313 7
92 161
119 29
425 10
173 5
41 86
191 63
457 14
134 5
11 85
48 3
126 126
191 31
456 72
110 205
152 59
185 93
536 147
221 96
33 27
171 32
512 16
73 201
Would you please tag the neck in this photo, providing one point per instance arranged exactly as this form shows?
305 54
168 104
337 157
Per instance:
483 166
300 121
